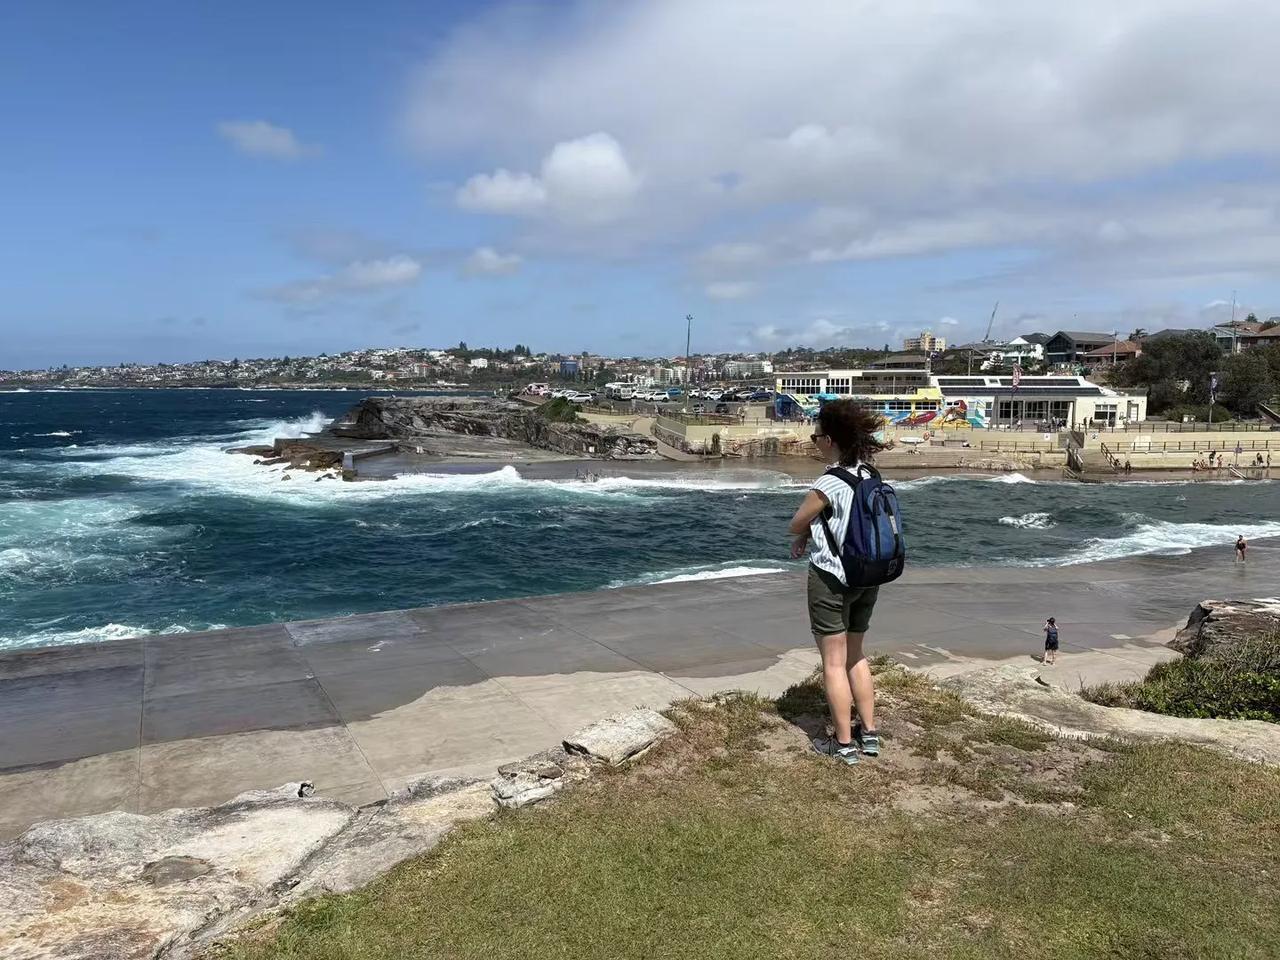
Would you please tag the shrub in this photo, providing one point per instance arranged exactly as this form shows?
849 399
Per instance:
1240 684
559 410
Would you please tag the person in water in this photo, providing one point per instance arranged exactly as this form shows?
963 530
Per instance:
1241 546
1050 641
839 616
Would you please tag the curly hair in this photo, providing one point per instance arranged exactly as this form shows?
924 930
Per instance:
852 428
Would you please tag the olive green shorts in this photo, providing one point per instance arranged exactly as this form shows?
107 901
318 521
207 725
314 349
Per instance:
834 608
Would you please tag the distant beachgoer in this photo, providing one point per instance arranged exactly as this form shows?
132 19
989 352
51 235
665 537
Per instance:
1241 546
1128 467
1050 641
839 616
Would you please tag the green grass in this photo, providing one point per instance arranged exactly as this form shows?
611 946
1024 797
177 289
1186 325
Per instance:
1166 851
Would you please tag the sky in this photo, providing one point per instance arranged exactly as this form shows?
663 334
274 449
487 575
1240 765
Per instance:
182 181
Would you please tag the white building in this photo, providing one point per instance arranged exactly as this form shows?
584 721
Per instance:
734 369
925 343
479 363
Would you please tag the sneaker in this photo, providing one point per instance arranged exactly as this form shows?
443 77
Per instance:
830 747
868 741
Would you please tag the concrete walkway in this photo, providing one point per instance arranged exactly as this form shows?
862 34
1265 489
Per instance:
362 704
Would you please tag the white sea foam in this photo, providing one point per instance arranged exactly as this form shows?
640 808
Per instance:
107 631
1165 537
725 574
698 573
1030 521
57 433
313 423
1010 478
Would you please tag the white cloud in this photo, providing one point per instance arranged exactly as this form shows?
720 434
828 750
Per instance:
734 255
486 261
858 132
949 322
503 192
587 180
730 289
257 138
356 278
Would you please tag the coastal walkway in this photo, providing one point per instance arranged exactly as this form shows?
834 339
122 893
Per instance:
362 705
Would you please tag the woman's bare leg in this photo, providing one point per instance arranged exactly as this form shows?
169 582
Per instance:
860 683
835 681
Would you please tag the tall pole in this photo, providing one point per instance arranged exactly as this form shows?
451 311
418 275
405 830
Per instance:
688 367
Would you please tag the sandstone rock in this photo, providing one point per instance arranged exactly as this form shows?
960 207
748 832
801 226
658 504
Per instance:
381 835
412 418
1013 691
121 885
1216 627
537 777
619 739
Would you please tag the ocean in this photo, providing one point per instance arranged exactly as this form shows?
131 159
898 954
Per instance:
121 514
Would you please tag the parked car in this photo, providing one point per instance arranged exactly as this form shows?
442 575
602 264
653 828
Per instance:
722 408
580 398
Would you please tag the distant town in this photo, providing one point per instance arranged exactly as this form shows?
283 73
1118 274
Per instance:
490 368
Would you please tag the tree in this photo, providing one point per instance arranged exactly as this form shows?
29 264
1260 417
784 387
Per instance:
1247 380
1138 334
1170 362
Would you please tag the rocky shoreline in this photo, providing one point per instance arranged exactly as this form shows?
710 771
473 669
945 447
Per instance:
419 421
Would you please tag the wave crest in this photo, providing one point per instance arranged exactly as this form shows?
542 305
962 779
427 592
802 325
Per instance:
1030 521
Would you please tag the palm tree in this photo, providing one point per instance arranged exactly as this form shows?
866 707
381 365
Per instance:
1138 334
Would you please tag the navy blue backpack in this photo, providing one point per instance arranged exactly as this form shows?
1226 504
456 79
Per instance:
874 550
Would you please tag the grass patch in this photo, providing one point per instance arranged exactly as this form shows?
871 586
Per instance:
1244 685
1011 733
731 840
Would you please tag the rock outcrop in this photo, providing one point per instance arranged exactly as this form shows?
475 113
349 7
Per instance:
1017 692
1216 627
411 418
125 886
619 739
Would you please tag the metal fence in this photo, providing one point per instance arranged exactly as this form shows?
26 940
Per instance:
1192 446
1163 426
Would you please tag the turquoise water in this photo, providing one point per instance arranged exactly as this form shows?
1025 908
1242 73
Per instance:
120 513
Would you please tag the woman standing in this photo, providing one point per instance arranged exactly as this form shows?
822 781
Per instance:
838 615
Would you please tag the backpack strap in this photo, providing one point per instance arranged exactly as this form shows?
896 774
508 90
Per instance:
852 479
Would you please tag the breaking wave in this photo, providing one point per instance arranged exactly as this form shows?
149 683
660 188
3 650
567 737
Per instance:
1164 537
1030 521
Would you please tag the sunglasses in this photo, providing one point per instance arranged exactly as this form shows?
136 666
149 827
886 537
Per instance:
815 437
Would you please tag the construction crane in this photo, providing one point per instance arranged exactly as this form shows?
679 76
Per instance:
987 336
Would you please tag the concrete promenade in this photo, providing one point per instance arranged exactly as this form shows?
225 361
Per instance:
363 704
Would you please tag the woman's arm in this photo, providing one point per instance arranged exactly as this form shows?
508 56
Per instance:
812 505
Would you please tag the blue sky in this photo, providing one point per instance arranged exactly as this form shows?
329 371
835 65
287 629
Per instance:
180 181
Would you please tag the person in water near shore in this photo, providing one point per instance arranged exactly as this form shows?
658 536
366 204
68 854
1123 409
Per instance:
1241 546
839 616
1050 642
